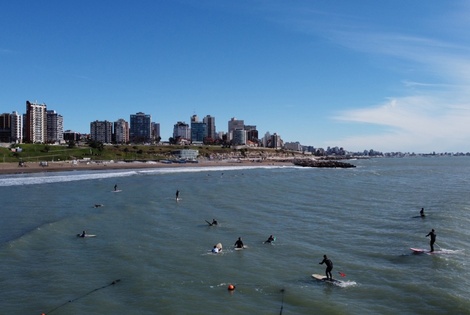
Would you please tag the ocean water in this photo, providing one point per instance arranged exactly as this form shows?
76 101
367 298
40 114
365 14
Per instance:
156 250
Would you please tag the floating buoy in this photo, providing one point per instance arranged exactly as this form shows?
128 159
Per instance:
231 287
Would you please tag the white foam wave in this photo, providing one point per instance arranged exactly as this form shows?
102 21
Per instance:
48 178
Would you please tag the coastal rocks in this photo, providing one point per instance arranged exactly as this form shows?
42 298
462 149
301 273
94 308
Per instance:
328 164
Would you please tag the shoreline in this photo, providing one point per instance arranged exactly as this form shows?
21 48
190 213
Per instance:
63 166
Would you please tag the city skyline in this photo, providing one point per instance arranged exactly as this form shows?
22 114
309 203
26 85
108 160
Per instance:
368 75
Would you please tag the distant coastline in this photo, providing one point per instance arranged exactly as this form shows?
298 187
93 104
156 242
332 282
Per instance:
61 166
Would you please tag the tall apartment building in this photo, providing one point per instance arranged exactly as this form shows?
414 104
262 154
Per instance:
121 131
35 124
210 127
16 127
239 137
156 131
251 133
54 127
101 131
5 128
198 130
181 130
140 128
234 124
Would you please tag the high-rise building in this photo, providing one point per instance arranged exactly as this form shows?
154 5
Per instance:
121 131
239 137
181 130
251 133
55 127
210 126
234 124
101 131
5 127
140 128
156 131
35 124
198 130
16 127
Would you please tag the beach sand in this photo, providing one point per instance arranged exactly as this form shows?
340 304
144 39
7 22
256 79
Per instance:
35 167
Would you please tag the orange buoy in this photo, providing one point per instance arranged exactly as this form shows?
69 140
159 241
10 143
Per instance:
231 287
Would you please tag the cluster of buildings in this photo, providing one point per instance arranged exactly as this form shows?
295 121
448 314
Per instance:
40 125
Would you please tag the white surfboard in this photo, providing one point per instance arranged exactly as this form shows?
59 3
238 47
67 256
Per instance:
324 279
86 235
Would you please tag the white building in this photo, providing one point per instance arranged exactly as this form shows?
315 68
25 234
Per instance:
35 123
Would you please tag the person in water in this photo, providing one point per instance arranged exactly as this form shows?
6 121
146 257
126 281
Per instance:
115 187
83 234
329 267
239 243
270 239
177 194
421 212
432 234
216 250
214 222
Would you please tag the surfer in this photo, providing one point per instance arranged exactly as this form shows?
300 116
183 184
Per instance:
177 194
432 234
329 267
115 187
215 250
239 243
83 234
270 239
421 213
214 222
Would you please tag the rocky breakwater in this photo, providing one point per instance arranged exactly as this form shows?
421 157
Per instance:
322 163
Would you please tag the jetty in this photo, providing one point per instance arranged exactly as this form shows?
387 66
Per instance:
322 163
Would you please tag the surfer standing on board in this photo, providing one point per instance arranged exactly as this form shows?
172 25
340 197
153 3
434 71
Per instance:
421 213
239 243
115 187
177 194
329 267
433 239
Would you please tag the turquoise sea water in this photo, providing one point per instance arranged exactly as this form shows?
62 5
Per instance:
159 249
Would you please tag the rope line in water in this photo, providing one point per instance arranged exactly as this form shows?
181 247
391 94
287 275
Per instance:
82 296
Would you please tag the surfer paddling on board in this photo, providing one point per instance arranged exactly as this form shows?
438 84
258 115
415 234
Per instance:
329 267
214 222
421 213
432 234
216 249
239 243
269 240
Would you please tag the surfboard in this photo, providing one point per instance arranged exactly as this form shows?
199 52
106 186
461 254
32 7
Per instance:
324 279
86 235
119 190
427 251
240 248
419 250
219 246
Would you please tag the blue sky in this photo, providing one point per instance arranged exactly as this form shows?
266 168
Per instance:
366 74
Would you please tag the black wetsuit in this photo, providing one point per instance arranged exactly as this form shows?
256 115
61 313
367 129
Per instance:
433 239
329 267
239 244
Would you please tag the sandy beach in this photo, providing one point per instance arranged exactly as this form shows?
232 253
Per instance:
35 167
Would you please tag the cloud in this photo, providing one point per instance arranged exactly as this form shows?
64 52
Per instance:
417 123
